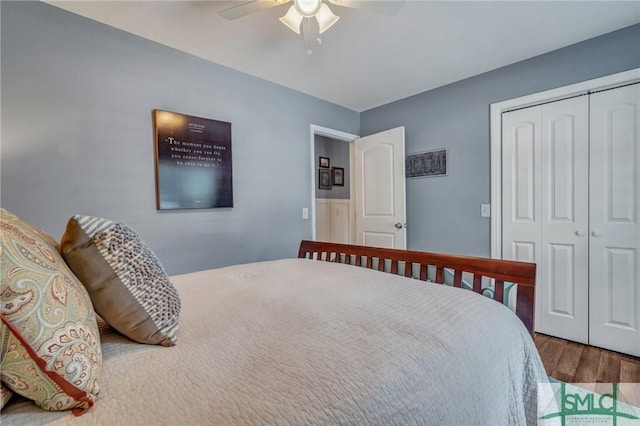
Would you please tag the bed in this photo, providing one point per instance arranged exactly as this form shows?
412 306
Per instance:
340 335
432 267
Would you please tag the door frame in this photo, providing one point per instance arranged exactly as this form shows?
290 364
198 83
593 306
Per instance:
315 130
578 89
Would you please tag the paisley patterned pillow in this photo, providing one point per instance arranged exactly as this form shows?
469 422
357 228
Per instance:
50 348
127 283
5 395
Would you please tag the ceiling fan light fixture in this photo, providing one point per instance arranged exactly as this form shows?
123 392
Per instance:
292 19
307 8
326 18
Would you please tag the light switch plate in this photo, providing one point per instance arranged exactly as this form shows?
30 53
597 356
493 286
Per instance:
305 213
485 210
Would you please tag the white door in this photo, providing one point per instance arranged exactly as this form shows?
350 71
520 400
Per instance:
564 270
379 186
545 209
614 311
521 151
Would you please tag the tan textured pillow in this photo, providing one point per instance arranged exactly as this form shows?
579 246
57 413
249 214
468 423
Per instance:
127 283
50 346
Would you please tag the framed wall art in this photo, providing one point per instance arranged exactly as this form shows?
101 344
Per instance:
324 162
193 162
338 176
324 179
426 164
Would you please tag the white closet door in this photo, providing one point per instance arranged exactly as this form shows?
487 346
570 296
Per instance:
521 177
545 209
564 267
614 311
521 148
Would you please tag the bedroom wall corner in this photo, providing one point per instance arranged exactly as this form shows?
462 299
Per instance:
443 213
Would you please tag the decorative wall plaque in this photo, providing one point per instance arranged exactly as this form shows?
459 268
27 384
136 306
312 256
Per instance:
193 162
424 164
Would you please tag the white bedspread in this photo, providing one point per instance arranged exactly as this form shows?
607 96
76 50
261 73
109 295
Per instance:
298 341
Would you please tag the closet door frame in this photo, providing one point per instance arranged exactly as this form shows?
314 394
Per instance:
583 88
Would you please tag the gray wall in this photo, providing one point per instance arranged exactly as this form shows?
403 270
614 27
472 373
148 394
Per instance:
77 137
443 213
338 153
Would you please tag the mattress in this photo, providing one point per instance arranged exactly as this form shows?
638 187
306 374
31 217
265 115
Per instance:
299 341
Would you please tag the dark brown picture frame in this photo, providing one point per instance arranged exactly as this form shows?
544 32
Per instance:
324 179
324 162
338 176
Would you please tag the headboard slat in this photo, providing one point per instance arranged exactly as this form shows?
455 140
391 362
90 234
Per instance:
457 278
408 266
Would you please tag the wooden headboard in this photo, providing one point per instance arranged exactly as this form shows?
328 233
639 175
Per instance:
394 260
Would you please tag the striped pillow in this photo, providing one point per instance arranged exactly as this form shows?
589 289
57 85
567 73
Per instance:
127 283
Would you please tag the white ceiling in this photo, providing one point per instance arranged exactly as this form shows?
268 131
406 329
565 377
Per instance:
367 59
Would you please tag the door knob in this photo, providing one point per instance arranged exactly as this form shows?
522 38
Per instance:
596 234
580 233
399 225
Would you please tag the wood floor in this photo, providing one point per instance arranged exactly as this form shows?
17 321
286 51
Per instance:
573 362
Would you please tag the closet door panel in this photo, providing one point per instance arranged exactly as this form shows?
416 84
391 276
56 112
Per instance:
614 311
563 279
521 184
545 209
521 192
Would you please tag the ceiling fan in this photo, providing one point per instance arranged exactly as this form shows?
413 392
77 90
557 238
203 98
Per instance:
310 17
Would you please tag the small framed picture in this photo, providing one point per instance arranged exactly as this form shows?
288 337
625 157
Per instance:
338 176
324 179
324 162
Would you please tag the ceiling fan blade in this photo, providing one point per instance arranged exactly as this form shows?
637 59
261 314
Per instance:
390 7
311 34
249 7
